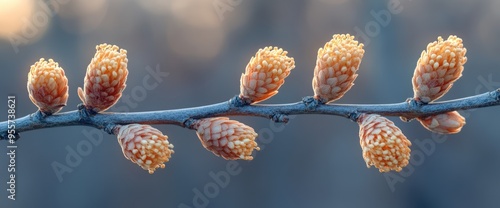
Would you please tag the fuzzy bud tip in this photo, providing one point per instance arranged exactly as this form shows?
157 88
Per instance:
105 78
145 146
47 86
264 74
438 68
336 67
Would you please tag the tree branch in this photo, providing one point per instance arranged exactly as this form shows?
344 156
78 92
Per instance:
236 107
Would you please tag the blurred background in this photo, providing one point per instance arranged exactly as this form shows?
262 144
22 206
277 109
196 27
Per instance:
196 51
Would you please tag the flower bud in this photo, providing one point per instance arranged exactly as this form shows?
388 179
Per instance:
265 73
384 145
336 67
105 78
446 123
47 86
226 138
145 146
437 68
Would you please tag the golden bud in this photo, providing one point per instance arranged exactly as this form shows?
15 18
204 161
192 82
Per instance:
438 67
105 78
446 123
265 73
47 86
145 146
336 67
226 138
384 145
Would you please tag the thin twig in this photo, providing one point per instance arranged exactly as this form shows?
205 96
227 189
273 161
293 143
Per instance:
235 107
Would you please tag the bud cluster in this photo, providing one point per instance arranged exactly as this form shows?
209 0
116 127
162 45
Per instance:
383 144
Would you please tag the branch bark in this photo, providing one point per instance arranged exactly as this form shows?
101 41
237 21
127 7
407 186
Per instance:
278 112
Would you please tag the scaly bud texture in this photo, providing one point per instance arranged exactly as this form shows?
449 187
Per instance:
438 67
105 78
47 86
265 73
336 67
145 146
436 71
384 145
446 123
226 138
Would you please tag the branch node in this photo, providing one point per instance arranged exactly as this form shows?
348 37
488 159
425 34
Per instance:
39 116
415 105
354 116
189 123
111 128
280 118
496 94
88 112
84 112
311 103
237 101
80 106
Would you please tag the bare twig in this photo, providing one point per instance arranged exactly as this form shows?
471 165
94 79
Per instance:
236 107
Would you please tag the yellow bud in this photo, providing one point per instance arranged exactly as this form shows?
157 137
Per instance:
438 68
384 145
145 146
336 67
105 78
446 123
226 138
265 73
47 86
